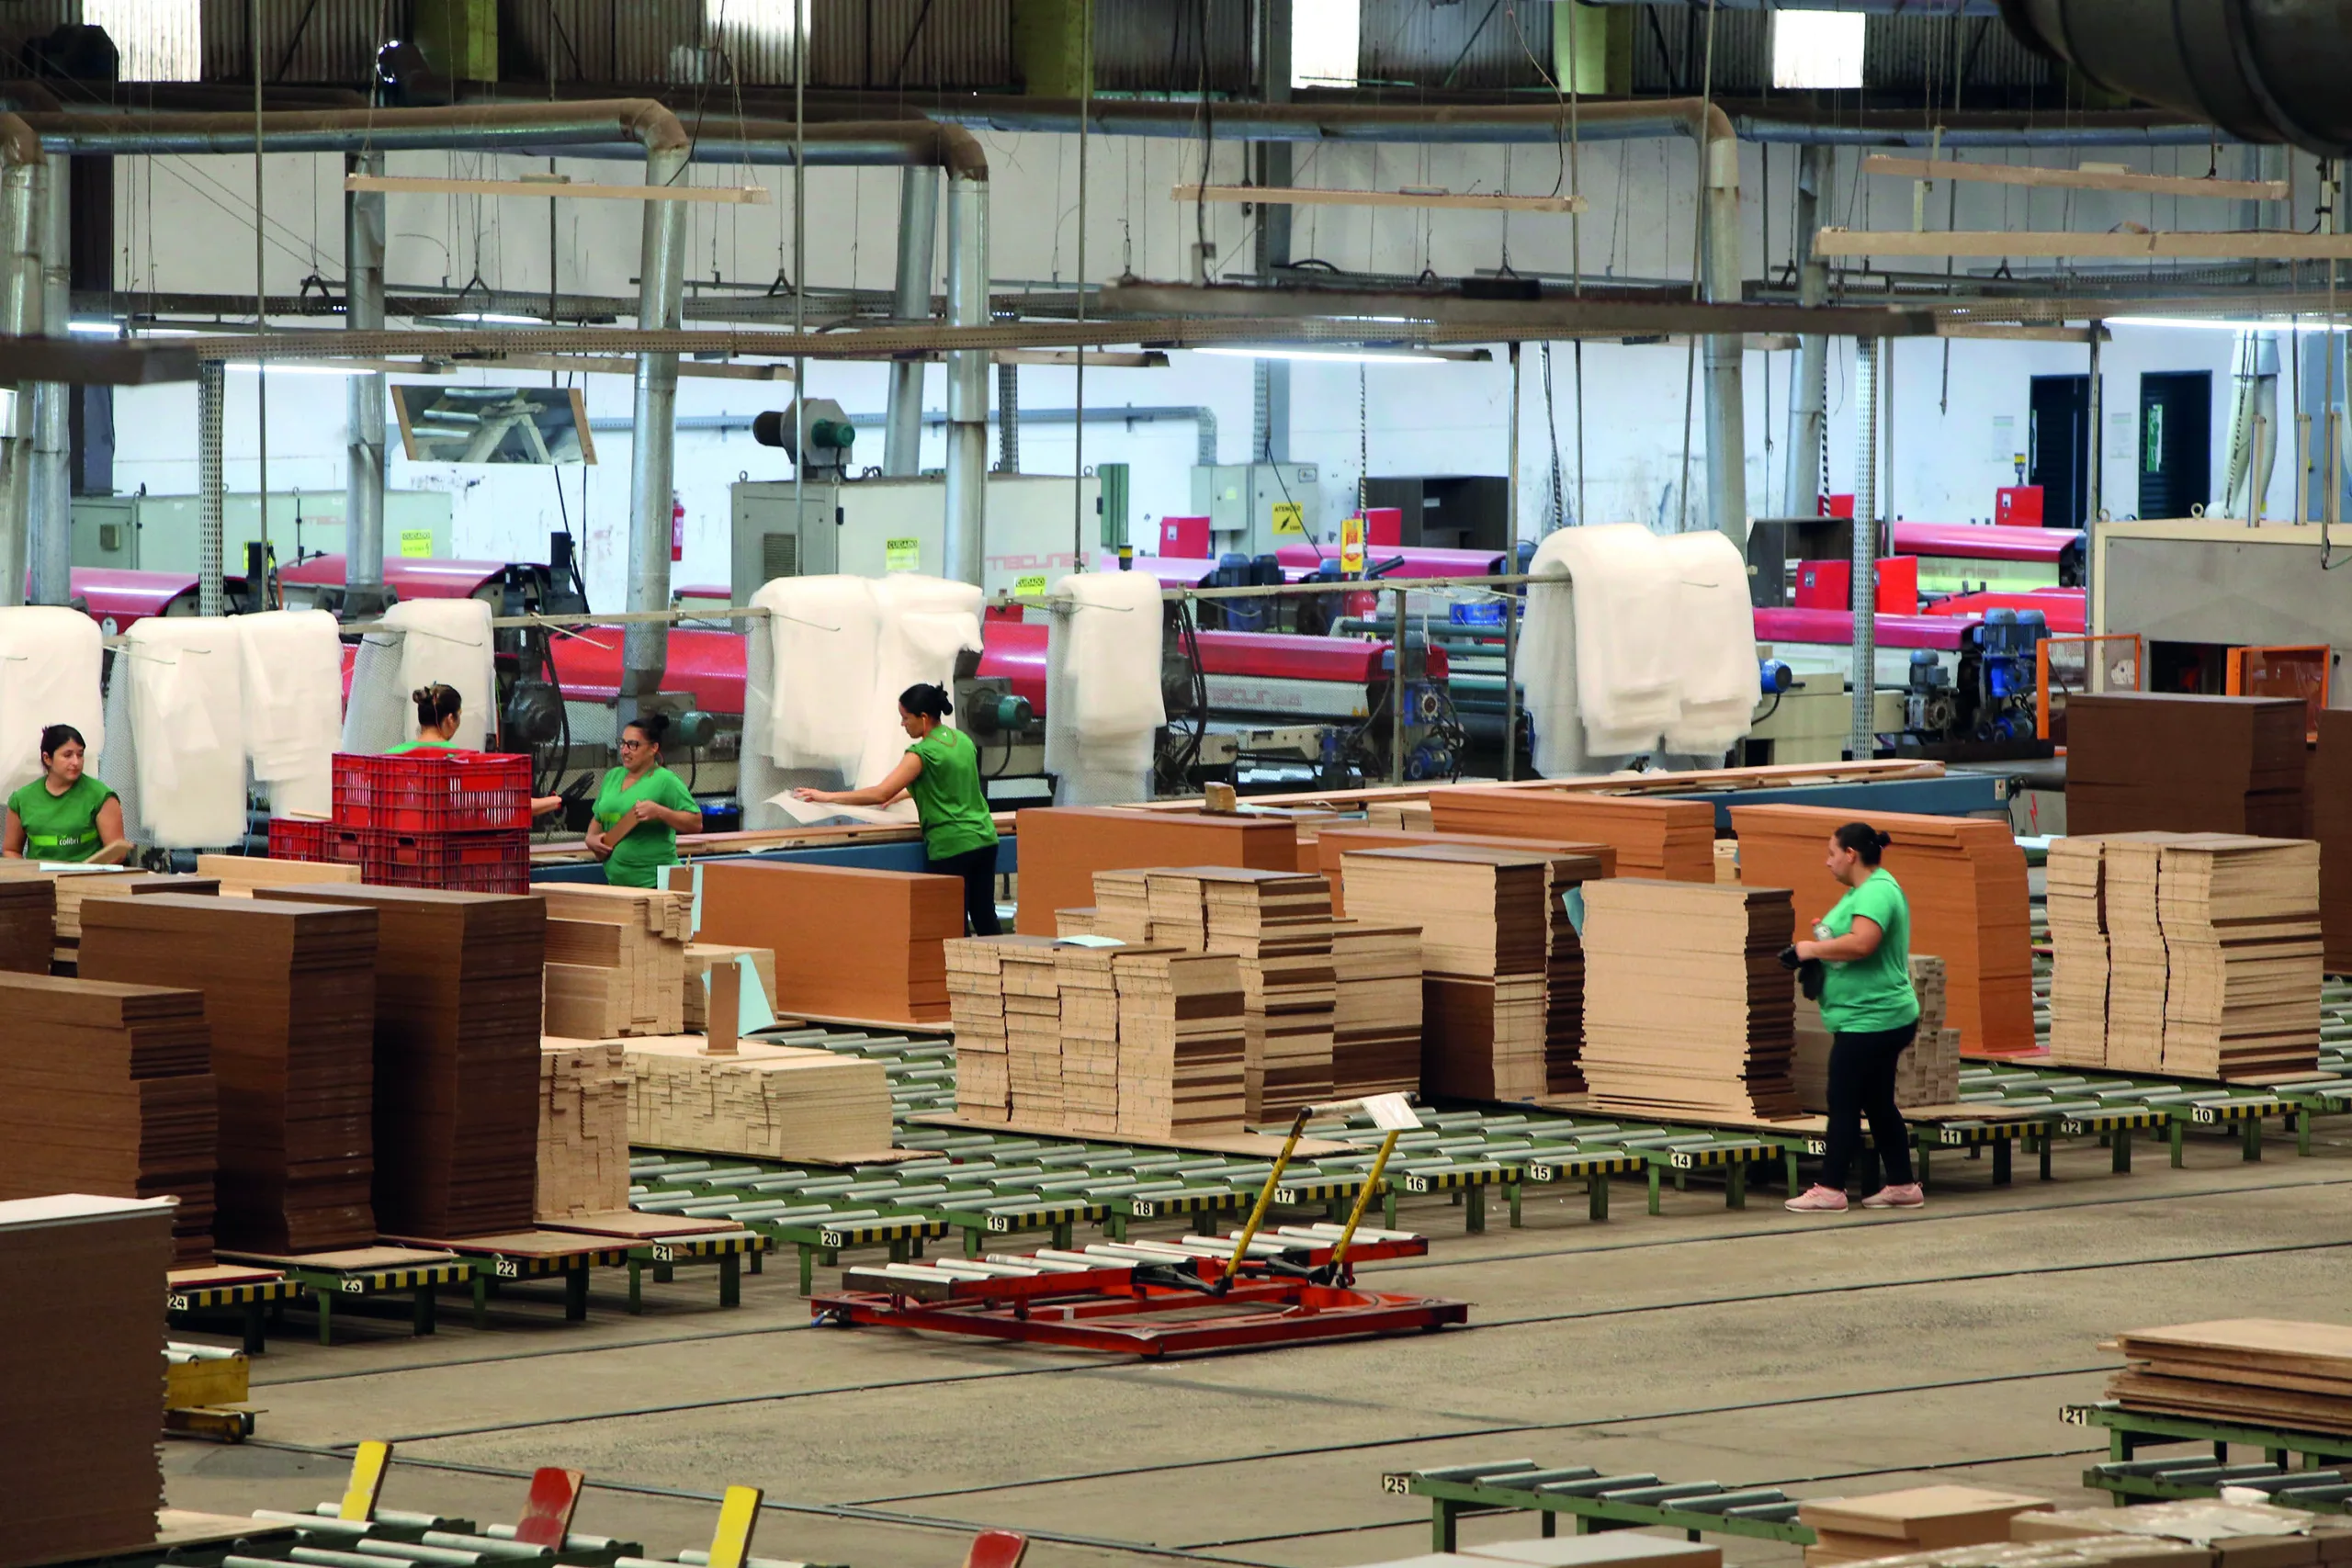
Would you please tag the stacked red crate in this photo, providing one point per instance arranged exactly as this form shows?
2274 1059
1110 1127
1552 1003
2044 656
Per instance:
459 820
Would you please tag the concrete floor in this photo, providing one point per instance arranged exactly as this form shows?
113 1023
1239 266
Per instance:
1826 1355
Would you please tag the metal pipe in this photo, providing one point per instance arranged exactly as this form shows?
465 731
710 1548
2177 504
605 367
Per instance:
1721 283
50 535
918 224
2094 492
1809 375
1510 600
364 448
22 168
480 128
211 401
1397 690
968 379
1861 741
645 648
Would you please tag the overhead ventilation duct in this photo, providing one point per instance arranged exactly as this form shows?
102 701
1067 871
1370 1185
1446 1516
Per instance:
2262 70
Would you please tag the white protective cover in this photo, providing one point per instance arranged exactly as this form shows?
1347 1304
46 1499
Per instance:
293 706
924 623
444 640
50 658
1716 638
821 634
1102 698
187 729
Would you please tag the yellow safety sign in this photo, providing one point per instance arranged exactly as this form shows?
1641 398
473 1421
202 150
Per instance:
416 544
902 555
1290 518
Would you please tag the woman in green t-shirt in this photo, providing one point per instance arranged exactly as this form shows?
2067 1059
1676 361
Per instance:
942 771
1863 945
65 815
440 710
640 810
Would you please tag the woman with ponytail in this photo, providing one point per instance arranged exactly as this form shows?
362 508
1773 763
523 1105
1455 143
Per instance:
440 710
942 771
1863 946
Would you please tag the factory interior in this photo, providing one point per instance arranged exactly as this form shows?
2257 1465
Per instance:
1175 784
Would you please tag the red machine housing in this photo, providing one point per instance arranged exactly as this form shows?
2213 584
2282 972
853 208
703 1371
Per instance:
1828 585
408 576
2018 505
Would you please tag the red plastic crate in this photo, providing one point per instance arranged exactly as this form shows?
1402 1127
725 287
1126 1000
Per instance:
434 792
345 846
294 837
498 861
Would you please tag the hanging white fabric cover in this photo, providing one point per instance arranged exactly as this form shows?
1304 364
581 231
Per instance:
293 706
438 641
1104 707
51 660
925 622
1715 637
187 729
821 634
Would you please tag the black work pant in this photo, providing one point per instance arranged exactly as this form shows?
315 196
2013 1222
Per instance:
977 868
1861 1083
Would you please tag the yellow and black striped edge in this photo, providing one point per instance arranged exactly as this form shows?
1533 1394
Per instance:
230 1295
865 1233
1708 1155
1035 1216
1959 1134
678 1248
1324 1189
1567 1166
1455 1177
1157 1204
537 1265
367 1280
2238 1108
2079 1122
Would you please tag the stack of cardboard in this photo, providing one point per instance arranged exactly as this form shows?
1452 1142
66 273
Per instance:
240 874
1279 926
583 1128
764 1102
108 1089
2076 876
976 995
1928 1073
1176 909
616 960
296 1065
1033 1033
1086 1001
1924 1519
1334 843
74 886
2138 761
1964 879
1376 1012
2250 1370
1669 840
2242 955
1063 847
84 1376
2196 1532
1406 816
457 1055
1068 923
1122 906
1182 1038
27 924
1687 1008
700 956
848 943
2136 967
2332 826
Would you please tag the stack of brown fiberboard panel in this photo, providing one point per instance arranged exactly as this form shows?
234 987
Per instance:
848 943
1928 1073
1922 1518
2249 1370
1687 1008
1964 880
583 1128
2242 955
1279 927
74 885
108 1089
764 1102
294 987
2332 826
1182 1036
2075 877
1333 843
976 1000
2139 761
1122 906
1670 839
1087 1000
2137 971
616 960
84 1376
1376 1009
1033 1034
1408 816
457 1071
1063 846
27 924
1177 908
1082 921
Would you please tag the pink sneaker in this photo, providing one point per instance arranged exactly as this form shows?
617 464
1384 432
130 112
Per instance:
1818 1199
1908 1197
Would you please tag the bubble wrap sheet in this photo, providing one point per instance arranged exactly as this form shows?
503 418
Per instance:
187 684
293 706
1104 707
50 661
925 622
821 634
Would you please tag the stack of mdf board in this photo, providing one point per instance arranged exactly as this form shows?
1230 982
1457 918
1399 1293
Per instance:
1928 1073
1376 1012
1182 1038
1122 906
1669 840
2075 879
1176 909
583 1128
1033 1033
2244 957
108 1089
1068 923
2249 1370
1964 880
2332 826
764 1102
616 960
293 986
1406 816
1062 847
27 924
1924 1519
1087 996
1279 926
2136 967
977 1002
2138 761
700 956
240 874
85 1375
1687 1008
74 887
1487 948
457 1055
848 943
1334 843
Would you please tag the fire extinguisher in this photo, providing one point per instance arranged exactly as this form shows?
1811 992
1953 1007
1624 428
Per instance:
677 528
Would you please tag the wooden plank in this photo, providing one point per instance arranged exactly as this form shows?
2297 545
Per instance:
708 370
1312 196
2073 179
414 185
2003 332
2219 244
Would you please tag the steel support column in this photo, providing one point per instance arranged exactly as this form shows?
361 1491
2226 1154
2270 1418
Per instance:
1725 352
645 645
967 379
1809 375
49 551
362 481
1862 739
20 316
212 403
918 223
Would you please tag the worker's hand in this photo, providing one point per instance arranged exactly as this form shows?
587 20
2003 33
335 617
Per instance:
1790 958
1804 952
820 796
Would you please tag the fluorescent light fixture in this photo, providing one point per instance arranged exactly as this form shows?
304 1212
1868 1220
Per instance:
94 328
160 41
1338 355
2199 323
1325 36
490 319
1817 49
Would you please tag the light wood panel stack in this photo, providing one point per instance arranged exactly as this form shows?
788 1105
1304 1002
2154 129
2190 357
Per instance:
2075 877
1376 1013
1033 1034
2136 967
240 874
1062 847
70 886
1406 816
1334 843
1279 927
1917 1519
1687 1008
2270 1372
2242 955
766 1102
108 1089
1964 879
617 960
976 995
1928 1073
1670 839
1183 1040
583 1128
27 924
848 943
700 956
1122 906
1087 1000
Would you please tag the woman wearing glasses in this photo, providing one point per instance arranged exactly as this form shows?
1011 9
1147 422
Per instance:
640 810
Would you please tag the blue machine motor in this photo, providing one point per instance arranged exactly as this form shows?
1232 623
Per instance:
1991 696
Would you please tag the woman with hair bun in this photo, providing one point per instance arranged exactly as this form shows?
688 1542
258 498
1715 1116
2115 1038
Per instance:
439 711
942 771
1863 946
640 810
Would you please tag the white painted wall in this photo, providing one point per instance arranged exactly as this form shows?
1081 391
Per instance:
185 224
